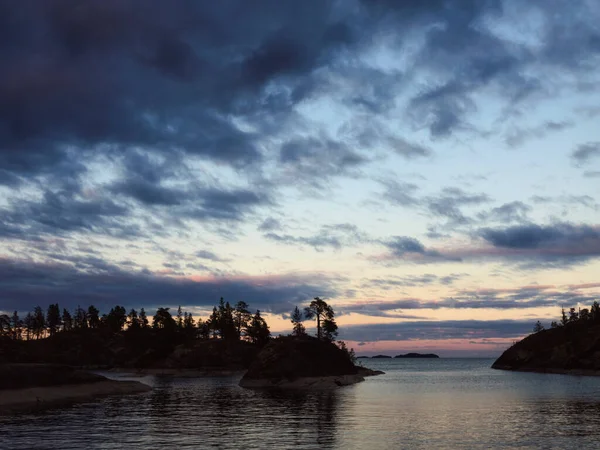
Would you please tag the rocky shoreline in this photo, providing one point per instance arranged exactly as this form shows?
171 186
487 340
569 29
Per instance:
33 387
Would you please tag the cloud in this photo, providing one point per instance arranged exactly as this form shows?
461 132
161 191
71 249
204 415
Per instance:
508 212
404 248
436 330
25 284
585 152
334 236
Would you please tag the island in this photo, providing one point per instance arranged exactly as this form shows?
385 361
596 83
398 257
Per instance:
417 355
303 362
380 356
571 346
25 387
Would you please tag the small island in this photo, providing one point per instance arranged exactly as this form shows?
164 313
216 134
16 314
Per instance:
417 355
569 346
26 387
380 356
300 361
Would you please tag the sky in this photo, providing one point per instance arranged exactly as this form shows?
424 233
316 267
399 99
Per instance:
430 168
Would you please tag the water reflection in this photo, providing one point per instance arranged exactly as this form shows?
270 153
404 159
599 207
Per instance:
453 405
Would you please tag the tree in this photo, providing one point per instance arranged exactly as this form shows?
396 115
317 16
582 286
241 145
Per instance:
296 318
116 319
67 320
39 322
80 318
573 315
93 317
28 324
538 327
241 317
221 321
133 321
595 312
17 326
563 320
163 320
584 314
53 318
326 326
554 324
258 331
179 318
5 328
143 318
350 352
203 329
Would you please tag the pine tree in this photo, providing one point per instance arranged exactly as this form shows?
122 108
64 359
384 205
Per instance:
53 318
39 322
258 330
133 321
143 319
67 320
179 318
296 319
241 317
93 317
326 326
538 327
17 326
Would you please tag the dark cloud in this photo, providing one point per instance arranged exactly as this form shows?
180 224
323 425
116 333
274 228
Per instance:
586 152
206 254
437 330
411 249
25 284
560 237
270 224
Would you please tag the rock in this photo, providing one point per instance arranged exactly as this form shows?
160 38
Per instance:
417 355
288 362
574 349
366 372
25 387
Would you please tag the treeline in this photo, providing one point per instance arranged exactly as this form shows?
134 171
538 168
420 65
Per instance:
574 316
226 322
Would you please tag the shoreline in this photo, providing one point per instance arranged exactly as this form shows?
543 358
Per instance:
326 382
546 370
43 397
179 373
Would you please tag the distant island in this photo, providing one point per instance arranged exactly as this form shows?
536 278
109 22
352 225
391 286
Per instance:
407 355
569 346
417 355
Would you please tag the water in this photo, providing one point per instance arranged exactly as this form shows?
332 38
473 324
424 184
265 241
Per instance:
417 404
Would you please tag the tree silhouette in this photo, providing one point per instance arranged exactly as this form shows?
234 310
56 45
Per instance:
17 326
80 320
296 319
258 330
163 320
116 318
241 317
39 322
538 327
143 319
133 321
326 326
67 320
53 318
179 317
93 317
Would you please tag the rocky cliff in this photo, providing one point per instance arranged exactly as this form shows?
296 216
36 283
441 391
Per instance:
574 348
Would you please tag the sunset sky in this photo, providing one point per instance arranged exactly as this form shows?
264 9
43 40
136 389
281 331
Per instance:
430 168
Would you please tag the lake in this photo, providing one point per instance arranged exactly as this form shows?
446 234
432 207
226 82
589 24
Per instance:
417 404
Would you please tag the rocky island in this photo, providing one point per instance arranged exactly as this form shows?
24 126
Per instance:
303 362
417 355
571 346
40 386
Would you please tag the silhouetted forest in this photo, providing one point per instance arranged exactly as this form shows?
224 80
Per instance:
228 339
575 317
226 322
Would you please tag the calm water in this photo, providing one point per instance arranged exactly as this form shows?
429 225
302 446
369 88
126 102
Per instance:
445 403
